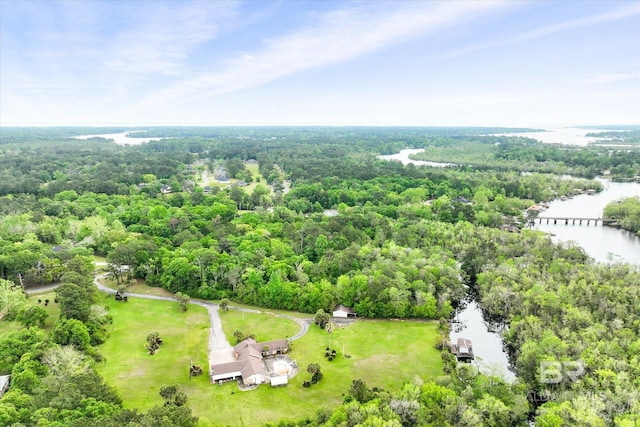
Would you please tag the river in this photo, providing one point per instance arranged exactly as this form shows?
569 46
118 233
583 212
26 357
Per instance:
604 244
403 157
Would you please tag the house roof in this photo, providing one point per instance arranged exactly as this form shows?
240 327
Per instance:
464 346
341 307
252 347
273 345
249 358
228 368
253 366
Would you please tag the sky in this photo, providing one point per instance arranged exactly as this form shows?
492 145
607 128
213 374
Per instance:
365 63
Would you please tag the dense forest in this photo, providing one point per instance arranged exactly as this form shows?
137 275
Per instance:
627 212
325 222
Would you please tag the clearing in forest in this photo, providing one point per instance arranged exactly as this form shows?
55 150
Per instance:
385 354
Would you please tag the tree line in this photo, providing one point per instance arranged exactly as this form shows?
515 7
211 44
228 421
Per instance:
403 242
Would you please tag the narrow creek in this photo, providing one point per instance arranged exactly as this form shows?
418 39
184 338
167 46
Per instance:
603 244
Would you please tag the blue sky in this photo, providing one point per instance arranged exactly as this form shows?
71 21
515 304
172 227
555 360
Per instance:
538 63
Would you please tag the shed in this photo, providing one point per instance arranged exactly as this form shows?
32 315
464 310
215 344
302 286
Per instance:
4 383
343 312
279 380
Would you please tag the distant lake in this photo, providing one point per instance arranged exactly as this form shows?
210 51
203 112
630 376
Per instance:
119 138
567 136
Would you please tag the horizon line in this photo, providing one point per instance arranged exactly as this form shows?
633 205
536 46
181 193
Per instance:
280 125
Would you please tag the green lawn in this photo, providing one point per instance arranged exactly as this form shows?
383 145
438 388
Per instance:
385 354
137 375
140 287
266 327
52 310
255 173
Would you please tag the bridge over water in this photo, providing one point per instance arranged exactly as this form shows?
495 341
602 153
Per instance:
575 220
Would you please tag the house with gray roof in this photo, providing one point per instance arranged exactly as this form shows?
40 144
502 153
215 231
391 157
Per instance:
249 365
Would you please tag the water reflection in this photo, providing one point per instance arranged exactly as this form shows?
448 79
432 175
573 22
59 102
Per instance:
604 244
484 332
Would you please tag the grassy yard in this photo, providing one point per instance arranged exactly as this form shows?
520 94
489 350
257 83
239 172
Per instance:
137 375
140 287
52 310
209 180
255 173
385 354
266 327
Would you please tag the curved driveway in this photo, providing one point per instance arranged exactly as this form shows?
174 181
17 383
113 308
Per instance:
218 349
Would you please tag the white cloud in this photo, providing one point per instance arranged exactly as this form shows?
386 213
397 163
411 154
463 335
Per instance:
160 40
548 30
338 36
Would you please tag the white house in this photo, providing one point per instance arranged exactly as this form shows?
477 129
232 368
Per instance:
343 312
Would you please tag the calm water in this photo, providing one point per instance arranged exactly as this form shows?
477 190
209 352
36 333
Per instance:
487 345
567 136
604 244
403 157
119 138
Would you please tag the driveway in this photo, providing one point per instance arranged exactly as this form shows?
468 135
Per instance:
218 349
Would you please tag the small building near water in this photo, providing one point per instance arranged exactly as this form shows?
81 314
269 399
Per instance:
463 350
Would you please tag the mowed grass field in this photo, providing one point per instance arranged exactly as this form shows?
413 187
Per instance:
52 310
265 326
385 354
137 375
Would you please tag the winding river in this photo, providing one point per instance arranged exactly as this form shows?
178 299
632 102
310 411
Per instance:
604 244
